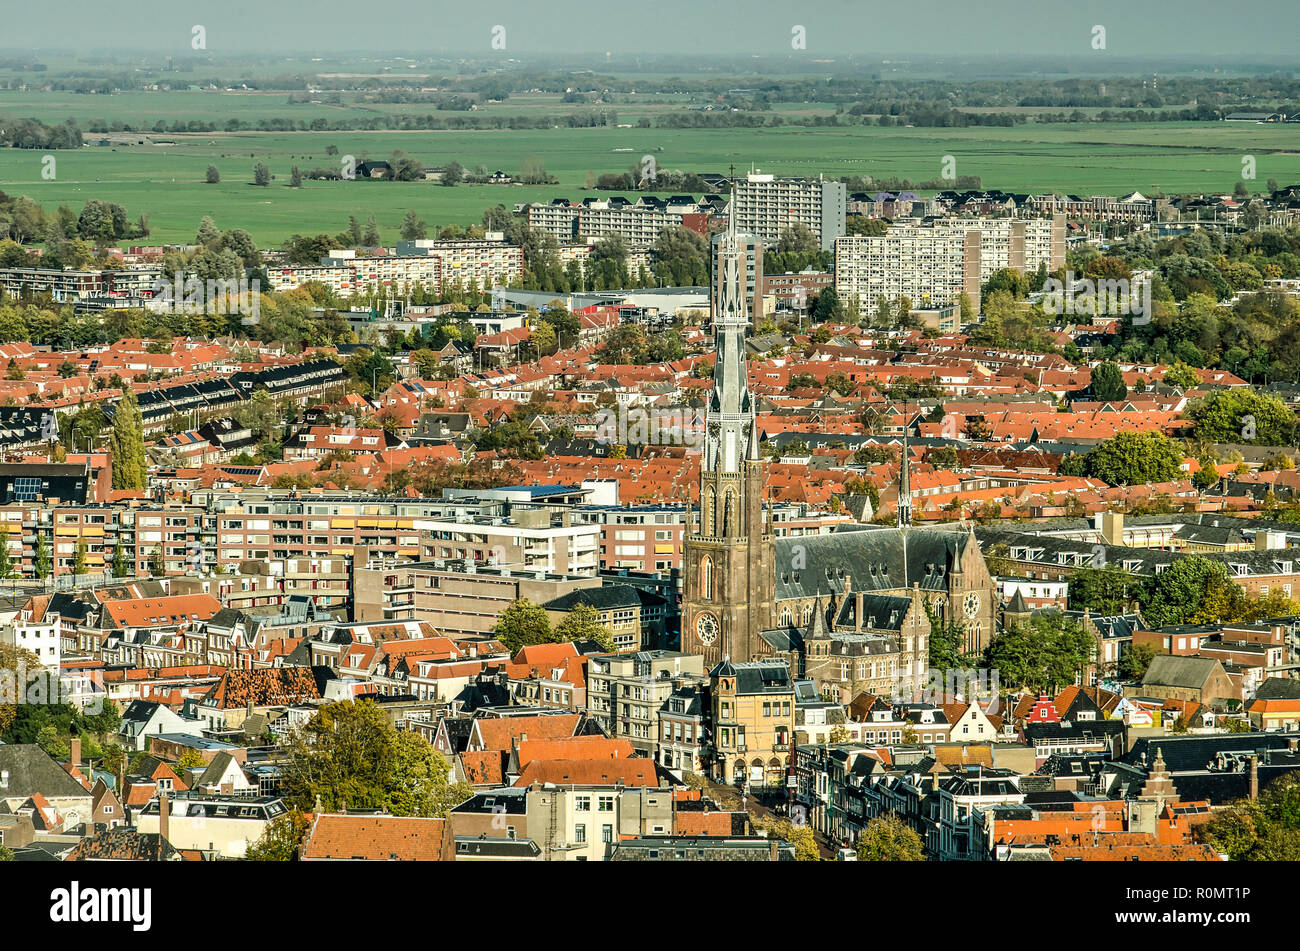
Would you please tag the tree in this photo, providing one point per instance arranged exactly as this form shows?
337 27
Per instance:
583 624
349 754
1192 590
1135 459
6 561
1107 590
1048 651
798 239
79 558
187 762
16 663
887 838
157 563
1207 475
371 237
213 176
1266 829
1108 383
413 227
295 177
1133 665
127 445
261 174
1182 376
42 564
208 232
800 836
281 839
1241 415
48 739
523 623
452 173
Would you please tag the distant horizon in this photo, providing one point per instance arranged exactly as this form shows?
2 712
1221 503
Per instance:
897 65
1248 30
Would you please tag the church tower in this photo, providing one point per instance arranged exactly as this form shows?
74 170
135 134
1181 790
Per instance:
729 576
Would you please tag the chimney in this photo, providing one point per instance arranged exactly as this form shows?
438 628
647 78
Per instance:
74 751
1112 528
164 815
772 850
1254 776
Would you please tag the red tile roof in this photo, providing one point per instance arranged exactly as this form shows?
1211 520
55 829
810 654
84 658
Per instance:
375 838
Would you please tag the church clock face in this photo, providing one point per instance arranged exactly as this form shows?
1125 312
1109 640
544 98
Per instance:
972 605
706 628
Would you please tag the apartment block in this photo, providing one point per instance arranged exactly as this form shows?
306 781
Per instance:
431 264
934 262
930 267
461 599
765 206
636 222
626 692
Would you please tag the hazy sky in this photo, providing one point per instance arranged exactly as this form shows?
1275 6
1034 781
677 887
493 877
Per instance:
1241 29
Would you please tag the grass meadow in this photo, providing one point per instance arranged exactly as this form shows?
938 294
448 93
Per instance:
162 174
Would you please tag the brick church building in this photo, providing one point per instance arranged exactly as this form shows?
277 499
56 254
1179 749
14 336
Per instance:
845 609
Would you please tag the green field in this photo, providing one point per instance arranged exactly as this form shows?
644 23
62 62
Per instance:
166 180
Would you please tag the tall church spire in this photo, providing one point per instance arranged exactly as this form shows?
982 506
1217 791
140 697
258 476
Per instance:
731 433
904 481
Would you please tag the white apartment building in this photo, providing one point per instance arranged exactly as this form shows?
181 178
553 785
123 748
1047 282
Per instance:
638 222
1020 243
347 276
431 264
766 205
930 267
40 635
488 263
934 262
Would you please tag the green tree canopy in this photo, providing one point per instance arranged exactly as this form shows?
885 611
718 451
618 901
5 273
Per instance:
1130 459
350 755
1048 651
1108 382
281 839
523 623
582 623
887 838
1241 415
127 444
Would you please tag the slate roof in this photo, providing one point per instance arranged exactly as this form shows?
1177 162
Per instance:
1278 688
34 772
757 676
873 558
1195 752
497 848
1174 670
605 598
881 612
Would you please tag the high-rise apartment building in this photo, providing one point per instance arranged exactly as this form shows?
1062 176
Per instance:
765 206
934 262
